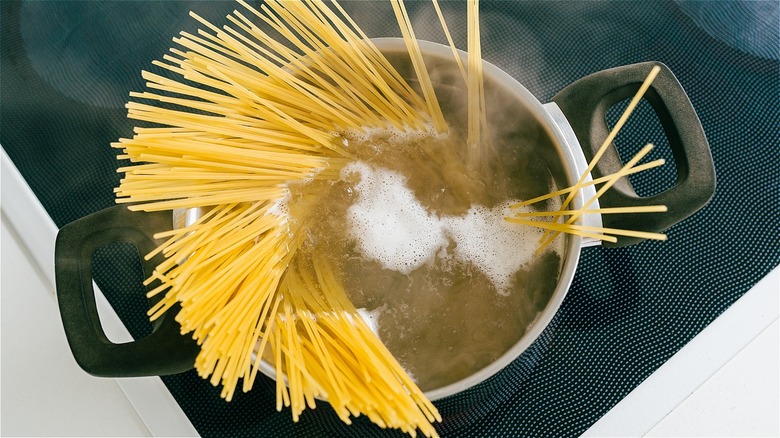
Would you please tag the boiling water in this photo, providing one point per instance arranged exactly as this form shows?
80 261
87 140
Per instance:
415 226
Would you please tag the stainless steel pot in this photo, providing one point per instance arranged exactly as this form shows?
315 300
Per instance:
573 127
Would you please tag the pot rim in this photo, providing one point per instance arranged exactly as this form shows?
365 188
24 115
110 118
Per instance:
573 243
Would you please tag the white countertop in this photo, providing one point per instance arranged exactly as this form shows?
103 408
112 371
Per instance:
726 382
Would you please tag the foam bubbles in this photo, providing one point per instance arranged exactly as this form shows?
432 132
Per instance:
389 223
369 135
495 246
391 226
280 206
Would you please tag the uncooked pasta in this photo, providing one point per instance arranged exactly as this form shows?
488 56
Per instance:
248 127
233 119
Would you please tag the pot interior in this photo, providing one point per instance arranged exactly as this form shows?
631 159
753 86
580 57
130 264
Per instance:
446 322
452 321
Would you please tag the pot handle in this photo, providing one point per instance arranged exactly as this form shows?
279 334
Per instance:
165 351
585 103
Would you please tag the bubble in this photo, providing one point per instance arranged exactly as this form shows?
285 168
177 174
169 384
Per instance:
389 223
496 247
280 206
392 227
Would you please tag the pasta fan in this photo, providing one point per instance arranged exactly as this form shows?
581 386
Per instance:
239 120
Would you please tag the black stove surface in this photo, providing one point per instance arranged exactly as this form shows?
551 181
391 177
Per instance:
67 68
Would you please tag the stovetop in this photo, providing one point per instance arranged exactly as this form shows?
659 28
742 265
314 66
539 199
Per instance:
67 69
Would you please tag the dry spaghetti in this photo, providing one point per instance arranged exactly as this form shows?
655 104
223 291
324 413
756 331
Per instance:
236 117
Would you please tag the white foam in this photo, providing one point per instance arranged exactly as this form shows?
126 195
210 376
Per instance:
388 222
367 135
392 227
280 207
495 246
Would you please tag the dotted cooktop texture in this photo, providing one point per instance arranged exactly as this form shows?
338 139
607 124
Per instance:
67 68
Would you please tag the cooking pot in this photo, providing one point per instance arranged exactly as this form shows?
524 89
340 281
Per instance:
572 126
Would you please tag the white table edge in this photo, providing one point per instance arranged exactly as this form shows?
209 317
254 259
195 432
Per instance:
694 364
148 395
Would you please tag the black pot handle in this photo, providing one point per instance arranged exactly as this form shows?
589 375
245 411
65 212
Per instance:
585 103
165 351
